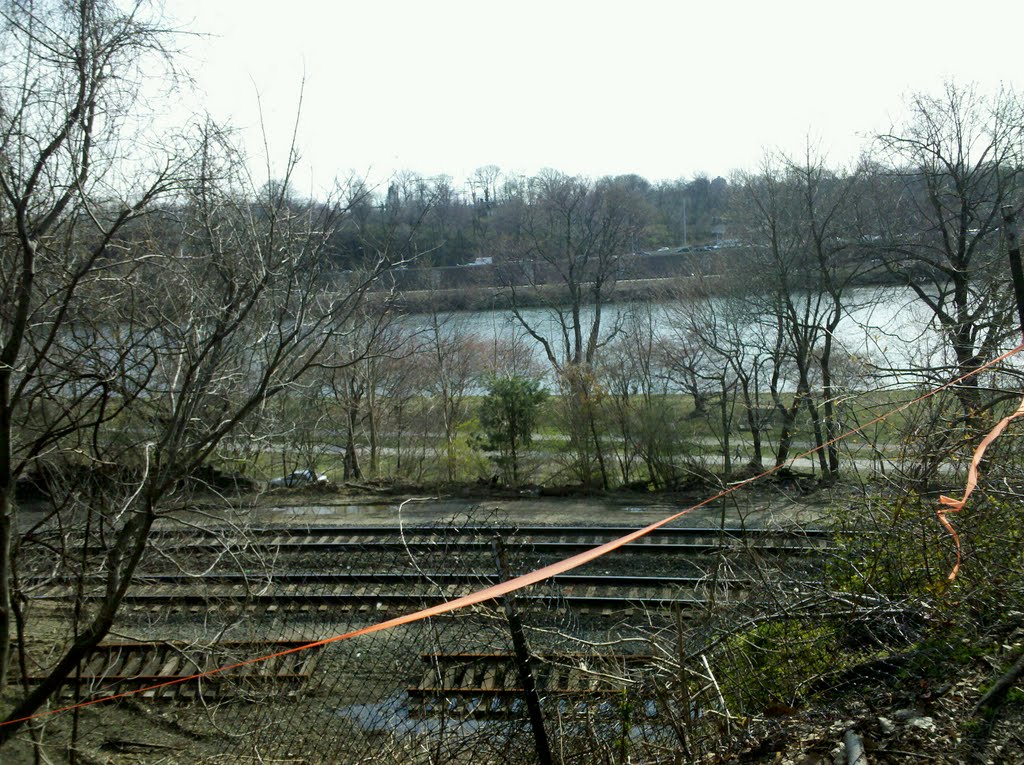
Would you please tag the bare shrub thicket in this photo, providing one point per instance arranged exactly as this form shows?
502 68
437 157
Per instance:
145 321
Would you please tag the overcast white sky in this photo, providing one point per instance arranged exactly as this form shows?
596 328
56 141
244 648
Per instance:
662 89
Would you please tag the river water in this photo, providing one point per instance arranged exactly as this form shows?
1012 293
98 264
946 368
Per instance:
884 335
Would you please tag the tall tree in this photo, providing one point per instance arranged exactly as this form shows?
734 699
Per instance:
132 344
566 254
572 236
454 361
802 221
941 181
69 74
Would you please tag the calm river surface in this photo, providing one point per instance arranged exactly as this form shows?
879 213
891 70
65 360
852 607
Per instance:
885 330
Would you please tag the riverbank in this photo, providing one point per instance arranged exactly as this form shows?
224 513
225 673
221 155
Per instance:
498 298
503 298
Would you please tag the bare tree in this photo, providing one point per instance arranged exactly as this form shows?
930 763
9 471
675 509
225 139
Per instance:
566 253
637 373
801 219
940 183
354 378
132 347
392 388
69 74
572 237
718 341
455 363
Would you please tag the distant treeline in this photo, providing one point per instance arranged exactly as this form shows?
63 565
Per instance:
434 223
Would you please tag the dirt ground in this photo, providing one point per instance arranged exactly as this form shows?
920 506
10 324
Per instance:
744 509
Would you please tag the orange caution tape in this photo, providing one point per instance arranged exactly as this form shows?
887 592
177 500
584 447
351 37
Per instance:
541 574
950 505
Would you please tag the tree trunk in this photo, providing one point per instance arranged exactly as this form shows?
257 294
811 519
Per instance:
6 525
123 560
788 420
6 530
753 422
371 426
726 441
598 452
351 460
812 410
828 405
514 453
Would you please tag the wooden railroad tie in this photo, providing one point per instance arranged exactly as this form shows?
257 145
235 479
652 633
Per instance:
119 667
478 685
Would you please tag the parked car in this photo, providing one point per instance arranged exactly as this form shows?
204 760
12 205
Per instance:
299 478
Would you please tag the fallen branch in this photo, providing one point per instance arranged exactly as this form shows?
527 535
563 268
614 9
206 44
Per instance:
995 695
359 486
126 746
721 697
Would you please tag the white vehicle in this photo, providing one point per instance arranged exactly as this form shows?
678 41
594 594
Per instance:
299 478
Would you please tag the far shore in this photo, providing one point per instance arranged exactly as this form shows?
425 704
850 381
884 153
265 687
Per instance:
503 298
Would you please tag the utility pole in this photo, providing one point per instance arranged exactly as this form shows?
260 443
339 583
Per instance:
684 222
1013 245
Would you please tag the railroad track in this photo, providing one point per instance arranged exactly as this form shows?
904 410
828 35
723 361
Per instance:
118 667
292 590
555 539
487 685
296 588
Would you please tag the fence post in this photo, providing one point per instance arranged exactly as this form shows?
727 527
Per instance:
1013 245
522 660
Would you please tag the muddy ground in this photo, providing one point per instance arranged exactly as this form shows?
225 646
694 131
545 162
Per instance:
324 508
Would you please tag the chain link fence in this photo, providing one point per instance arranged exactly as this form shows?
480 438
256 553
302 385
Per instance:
739 651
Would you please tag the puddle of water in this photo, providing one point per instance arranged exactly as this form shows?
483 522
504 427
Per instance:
304 510
301 510
386 715
392 715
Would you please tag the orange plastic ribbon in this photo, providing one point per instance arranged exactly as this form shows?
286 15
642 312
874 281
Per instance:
950 505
